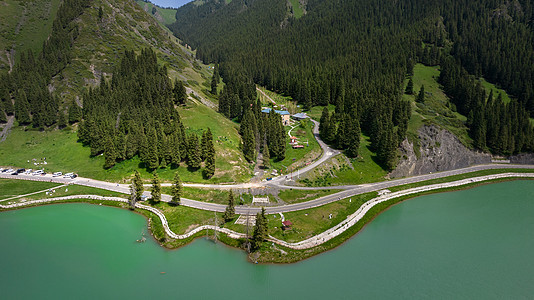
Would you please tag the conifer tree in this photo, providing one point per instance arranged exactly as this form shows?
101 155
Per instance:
62 120
353 138
324 123
180 94
152 154
176 190
22 108
213 85
110 155
249 145
266 156
409 87
421 96
193 153
260 230
229 213
156 188
137 185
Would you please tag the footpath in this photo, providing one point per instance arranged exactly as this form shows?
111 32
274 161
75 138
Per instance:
311 242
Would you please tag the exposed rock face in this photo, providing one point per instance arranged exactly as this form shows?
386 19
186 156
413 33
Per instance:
522 159
440 151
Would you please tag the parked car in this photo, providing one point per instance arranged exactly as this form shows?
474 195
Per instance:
68 175
38 172
9 171
57 174
28 171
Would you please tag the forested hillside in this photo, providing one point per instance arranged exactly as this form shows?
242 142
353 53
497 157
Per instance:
356 55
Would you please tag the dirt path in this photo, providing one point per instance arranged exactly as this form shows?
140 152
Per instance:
202 99
266 96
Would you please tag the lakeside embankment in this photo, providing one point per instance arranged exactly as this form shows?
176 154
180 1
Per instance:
327 239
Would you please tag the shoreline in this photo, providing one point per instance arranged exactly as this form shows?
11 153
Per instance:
320 243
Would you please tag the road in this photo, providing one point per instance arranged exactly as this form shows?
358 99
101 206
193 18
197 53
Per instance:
349 190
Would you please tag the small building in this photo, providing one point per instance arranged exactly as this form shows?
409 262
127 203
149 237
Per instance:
286 225
283 113
293 140
300 116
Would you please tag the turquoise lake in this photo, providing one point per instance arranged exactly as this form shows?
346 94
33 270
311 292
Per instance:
471 244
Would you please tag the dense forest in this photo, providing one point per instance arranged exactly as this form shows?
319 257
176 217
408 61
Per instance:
27 85
135 114
356 55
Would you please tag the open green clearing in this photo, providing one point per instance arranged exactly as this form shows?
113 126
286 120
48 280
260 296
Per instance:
297 9
14 187
164 15
316 111
340 170
496 90
436 108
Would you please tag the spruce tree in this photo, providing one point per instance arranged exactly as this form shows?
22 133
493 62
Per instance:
180 93
156 188
176 190
260 230
110 156
353 138
409 87
62 120
421 96
249 145
137 184
210 166
266 156
75 112
3 117
22 108
229 213
193 153
213 85
324 123
152 154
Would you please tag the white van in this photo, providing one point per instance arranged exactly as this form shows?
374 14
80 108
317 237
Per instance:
57 174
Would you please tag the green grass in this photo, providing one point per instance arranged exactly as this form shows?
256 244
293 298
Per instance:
496 90
309 222
63 152
297 9
182 218
337 171
297 196
13 187
68 191
298 158
316 111
436 109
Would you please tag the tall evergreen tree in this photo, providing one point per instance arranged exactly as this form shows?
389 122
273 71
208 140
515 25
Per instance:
421 96
137 184
260 230
156 188
193 153
110 155
266 156
409 87
22 108
229 212
176 190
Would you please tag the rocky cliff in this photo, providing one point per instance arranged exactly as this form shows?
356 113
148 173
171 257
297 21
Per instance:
439 150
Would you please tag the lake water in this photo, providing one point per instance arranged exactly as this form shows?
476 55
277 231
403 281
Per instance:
476 243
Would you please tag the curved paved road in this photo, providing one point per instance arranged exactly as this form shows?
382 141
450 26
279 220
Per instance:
350 190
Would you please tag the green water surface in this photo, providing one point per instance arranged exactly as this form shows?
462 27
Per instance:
472 244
